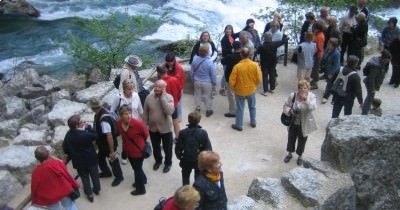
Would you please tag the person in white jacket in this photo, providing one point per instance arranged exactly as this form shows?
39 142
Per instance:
301 109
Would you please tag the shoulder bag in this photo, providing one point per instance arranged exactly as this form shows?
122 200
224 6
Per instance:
288 120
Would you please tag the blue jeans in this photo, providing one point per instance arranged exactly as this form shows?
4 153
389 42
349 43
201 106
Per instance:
367 102
251 102
65 203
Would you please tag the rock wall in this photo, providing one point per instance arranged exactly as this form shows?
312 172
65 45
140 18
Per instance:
359 169
18 7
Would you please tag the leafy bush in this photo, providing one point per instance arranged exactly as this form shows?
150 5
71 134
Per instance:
109 39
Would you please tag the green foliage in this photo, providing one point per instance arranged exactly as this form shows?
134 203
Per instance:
109 39
182 48
339 4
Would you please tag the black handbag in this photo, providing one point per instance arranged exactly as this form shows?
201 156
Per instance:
288 120
147 150
75 194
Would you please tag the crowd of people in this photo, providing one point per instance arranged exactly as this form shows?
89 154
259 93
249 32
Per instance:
248 61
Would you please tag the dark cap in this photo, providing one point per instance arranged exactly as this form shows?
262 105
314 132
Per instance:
236 45
250 20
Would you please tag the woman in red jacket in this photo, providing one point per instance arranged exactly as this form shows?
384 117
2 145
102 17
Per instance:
134 135
185 198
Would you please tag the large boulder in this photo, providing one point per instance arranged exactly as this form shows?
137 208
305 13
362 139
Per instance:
344 198
18 7
63 110
96 76
37 115
49 83
31 137
73 82
98 90
303 184
57 96
18 159
26 78
268 190
31 92
245 203
9 186
13 107
354 139
32 103
110 97
59 134
9 128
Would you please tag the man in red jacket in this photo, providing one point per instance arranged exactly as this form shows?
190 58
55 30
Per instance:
51 183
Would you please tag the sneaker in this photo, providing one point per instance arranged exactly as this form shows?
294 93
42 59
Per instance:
299 161
324 100
287 158
124 161
222 92
236 128
229 115
209 113
166 169
90 198
116 182
135 193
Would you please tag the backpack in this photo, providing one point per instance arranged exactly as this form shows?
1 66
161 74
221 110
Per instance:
192 146
117 80
339 86
161 203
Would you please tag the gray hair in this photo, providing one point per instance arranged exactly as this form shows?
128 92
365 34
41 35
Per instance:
267 37
352 60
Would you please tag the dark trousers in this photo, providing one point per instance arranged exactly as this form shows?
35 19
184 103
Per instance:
367 102
87 174
357 51
187 168
166 139
395 79
140 177
295 133
315 71
269 78
329 84
346 39
115 166
339 103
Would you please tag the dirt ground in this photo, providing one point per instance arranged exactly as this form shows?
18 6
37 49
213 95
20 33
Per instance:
254 152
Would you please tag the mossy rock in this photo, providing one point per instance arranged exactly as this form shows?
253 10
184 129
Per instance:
182 48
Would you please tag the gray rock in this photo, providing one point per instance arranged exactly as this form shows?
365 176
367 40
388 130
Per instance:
110 97
377 183
49 83
320 166
18 7
32 103
245 203
344 199
59 134
355 138
17 157
26 78
31 92
98 90
14 107
57 96
9 128
269 190
63 110
36 115
303 184
73 83
4 142
9 186
30 137
96 76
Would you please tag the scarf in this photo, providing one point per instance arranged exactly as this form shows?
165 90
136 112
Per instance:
214 177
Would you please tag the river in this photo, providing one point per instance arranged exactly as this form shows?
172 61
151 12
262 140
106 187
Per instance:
41 40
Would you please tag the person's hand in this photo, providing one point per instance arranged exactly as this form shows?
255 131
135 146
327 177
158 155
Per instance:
112 155
303 96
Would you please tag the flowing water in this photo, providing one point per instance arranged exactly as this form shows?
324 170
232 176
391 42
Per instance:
41 40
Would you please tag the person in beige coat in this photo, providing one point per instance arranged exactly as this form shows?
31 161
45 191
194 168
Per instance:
304 123
157 115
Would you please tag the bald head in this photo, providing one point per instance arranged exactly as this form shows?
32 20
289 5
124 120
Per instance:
245 53
159 87
42 153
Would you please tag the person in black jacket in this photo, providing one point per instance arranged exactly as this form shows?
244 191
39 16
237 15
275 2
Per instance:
192 140
78 146
227 47
268 61
353 89
359 38
375 71
106 142
395 51
212 51
307 25
230 61
210 182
